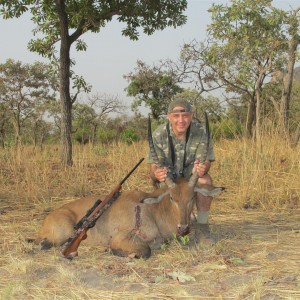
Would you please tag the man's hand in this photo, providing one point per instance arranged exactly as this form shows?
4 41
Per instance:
159 174
202 169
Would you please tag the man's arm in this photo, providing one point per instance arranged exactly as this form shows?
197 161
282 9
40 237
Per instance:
157 173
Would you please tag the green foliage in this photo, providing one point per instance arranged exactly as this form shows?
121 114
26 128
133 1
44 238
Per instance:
184 240
106 135
249 36
83 119
25 92
163 246
81 45
79 84
82 135
251 40
295 106
138 123
153 87
271 109
226 128
181 240
201 104
129 136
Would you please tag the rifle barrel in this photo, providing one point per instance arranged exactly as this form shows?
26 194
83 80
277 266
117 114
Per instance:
133 169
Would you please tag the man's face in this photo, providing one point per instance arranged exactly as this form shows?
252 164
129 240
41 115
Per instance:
180 121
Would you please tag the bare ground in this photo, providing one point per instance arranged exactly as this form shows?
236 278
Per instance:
257 256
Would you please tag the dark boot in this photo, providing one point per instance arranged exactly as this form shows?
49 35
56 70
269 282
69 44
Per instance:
203 235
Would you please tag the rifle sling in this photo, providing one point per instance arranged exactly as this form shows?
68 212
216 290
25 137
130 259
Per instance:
170 138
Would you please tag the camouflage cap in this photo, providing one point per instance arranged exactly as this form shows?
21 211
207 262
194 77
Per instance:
182 103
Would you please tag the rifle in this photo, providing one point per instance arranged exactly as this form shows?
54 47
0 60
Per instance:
69 248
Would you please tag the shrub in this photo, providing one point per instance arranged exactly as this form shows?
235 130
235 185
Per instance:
129 136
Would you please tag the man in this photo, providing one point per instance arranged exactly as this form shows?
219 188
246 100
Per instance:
180 145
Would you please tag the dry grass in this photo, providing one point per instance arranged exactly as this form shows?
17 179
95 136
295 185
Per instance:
256 223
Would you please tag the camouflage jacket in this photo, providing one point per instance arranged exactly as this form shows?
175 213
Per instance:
193 149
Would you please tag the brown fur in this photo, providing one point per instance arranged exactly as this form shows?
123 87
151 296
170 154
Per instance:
130 224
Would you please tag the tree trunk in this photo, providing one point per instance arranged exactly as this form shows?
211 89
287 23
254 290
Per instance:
258 119
94 134
18 134
258 122
66 123
250 117
35 134
43 137
2 136
296 137
287 86
64 89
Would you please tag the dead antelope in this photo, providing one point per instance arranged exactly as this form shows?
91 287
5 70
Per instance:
133 221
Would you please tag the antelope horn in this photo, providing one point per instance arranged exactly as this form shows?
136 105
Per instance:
168 181
207 131
151 144
194 178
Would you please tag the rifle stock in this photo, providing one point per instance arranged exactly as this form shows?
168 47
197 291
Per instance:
69 248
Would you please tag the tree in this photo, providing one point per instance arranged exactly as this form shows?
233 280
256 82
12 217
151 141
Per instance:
5 123
24 89
83 116
153 86
103 106
292 20
248 46
274 92
209 104
41 130
89 116
56 19
193 68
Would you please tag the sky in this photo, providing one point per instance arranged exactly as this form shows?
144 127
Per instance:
110 55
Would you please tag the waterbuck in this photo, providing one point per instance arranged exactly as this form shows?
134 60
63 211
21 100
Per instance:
133 221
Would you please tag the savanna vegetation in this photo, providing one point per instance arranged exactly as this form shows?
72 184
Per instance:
255 223
56 146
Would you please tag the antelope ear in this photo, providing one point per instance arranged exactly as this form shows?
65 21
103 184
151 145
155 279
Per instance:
209 192
151 200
